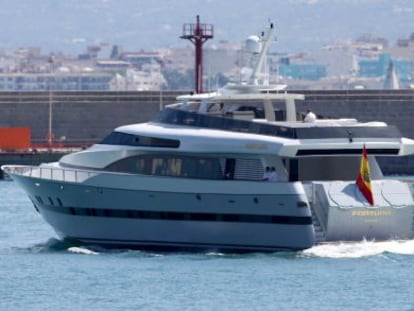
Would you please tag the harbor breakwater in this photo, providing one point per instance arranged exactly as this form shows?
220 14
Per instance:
87 117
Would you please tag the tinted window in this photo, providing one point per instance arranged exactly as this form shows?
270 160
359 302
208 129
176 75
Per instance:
174 116
181 117
170 165
118 138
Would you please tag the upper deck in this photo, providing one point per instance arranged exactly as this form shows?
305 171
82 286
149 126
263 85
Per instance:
322 129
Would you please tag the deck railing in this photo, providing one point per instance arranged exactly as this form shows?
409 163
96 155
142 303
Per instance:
52 173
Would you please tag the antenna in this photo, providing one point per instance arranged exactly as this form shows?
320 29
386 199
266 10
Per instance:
198 34
266 38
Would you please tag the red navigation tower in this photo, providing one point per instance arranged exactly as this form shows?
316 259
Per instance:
198 34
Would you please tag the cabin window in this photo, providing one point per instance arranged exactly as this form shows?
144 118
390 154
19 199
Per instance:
170 165
118 138
197 167
229 168
293 170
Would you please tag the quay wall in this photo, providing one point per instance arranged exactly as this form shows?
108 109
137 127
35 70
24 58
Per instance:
77 116
89 116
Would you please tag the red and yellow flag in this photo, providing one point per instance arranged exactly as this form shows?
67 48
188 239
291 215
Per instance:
364 178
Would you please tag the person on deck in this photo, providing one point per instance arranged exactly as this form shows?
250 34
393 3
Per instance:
266 174
310 117
273 175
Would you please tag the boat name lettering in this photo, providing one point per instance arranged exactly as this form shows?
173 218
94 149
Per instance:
256 146
371 213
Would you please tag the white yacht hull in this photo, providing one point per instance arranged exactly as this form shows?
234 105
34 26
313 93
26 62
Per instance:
139 211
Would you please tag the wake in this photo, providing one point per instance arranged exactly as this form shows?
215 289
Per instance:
326 250
56 245
360 249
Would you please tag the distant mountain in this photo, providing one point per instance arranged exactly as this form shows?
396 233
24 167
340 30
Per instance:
71 25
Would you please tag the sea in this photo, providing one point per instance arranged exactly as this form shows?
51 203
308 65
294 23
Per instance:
39 272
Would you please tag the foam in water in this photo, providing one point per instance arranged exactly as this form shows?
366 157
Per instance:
361 249
53 245
81 250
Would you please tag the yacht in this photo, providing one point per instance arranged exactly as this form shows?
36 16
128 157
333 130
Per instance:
196 177
192 178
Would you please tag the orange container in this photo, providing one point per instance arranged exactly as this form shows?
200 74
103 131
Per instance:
14 138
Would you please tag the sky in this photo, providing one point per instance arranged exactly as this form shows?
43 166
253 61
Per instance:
69 26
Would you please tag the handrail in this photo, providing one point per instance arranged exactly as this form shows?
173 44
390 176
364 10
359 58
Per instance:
320 211
52 173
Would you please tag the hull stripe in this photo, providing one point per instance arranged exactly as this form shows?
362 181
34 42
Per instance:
180 216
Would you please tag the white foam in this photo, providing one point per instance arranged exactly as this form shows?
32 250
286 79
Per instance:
214 254
80 250
361 249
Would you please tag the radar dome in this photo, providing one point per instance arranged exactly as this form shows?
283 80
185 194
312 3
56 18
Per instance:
253 45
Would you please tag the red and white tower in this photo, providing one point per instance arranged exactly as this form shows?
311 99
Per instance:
198 34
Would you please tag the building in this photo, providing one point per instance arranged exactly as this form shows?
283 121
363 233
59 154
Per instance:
377 67
138 80
305 69
85 81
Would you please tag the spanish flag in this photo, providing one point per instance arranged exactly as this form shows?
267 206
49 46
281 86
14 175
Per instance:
364 180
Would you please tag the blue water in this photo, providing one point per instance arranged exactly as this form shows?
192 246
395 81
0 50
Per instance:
37 272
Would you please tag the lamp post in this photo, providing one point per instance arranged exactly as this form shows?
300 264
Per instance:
160 80
50 132
160 83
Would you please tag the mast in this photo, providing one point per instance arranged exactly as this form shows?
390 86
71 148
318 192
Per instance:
266 38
